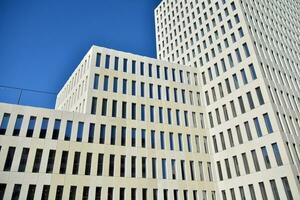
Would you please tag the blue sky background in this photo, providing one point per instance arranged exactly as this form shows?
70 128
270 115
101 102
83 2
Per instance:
42 41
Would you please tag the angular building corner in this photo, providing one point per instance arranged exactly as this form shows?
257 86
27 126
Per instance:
216 116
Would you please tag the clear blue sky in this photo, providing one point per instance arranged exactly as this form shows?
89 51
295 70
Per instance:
42 41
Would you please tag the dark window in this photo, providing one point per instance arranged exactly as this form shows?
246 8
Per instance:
59 192
16 192
287 188
94 106
122 165
79 131
133 193
4 123
31 126
114 108
18 125
76 163
88 163
98 59
96 82
133 170
105 83
268 123
123 136
153 167
23 161
144 167
125 65
56 128
152 139
85 194
122 194
68 130
37 160
100 164
104 107
44 127
2 190
143 112
116 66
107 58
110 193
246 50
63 162
115 85
133 88
111 165
252 71
133 111
113 135
45 192
124 88
124 104
133 137
171 141
98 193
259 96
162 140
50 163
73 192
164 168
31 192
102 134
9 158
277 154
91 133
257 127
143 138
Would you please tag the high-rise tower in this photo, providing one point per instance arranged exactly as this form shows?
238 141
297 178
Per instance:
247 53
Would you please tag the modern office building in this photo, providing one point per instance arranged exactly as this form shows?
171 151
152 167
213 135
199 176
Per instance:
216 117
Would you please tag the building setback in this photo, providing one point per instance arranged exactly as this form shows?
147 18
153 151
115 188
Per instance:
216 117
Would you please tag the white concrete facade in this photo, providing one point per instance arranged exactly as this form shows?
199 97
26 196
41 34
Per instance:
247 53
216 117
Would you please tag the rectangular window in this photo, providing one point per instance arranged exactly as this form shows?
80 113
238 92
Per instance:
23 161
115 85
133 88
152 139
133 193
100 164
151 113
96 82
16 192
116 66
88 164
102 134
153 167
37 160
45 192
59 192
143 138
122 194
142 69
144 167
124 88
76 163
50 163
257 127
107 59
68 131
255 160
259 96
124 104
287 188
110 193
133 168
9 158
182 165
133 137
79 131
246 165
162 140
268 123
111 165
142 89
56 129
104 107
98 193
122 165
164 168
125 61
123 136
31 126
252 71
277 154
114 108
266 157
274 190
17 126
105 83
98 59
143 112
72 192
246 50
31 192
133 111
263 191
113 135
63 162
94 106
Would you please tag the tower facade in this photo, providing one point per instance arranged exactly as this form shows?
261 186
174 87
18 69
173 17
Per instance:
247 53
